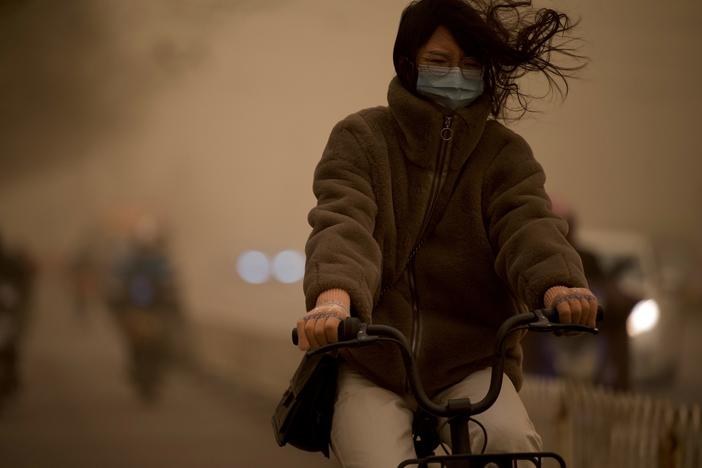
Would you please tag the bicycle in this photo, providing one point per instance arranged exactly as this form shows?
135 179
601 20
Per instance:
354 333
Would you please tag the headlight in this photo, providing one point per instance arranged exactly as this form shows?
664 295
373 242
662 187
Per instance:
643 317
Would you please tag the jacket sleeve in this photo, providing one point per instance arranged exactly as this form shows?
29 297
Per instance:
531 250
341 250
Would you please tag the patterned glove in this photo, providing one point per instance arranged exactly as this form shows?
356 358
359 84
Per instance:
574 305
320 325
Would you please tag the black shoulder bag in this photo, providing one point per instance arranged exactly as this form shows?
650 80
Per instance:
303 416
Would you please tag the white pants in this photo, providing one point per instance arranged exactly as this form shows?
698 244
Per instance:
372 426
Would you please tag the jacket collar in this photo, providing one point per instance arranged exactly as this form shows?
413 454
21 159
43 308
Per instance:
420 123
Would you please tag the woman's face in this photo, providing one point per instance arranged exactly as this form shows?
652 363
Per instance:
442 50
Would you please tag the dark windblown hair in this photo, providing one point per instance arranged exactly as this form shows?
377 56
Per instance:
509 38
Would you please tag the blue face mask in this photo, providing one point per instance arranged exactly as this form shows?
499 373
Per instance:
452 88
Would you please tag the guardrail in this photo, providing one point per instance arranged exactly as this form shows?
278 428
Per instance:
595 427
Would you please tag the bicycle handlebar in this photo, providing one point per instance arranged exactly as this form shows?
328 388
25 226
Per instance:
354 333
545 320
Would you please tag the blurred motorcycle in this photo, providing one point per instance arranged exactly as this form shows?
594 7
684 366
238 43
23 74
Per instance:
144 302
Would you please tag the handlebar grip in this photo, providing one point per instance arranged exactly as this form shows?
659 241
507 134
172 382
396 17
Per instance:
552 315
348 330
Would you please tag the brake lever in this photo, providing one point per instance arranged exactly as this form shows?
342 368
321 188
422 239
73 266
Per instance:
544 325
362 339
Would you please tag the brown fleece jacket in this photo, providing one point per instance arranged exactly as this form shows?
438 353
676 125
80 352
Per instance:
493 245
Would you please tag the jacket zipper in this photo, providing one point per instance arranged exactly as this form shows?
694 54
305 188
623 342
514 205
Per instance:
438 180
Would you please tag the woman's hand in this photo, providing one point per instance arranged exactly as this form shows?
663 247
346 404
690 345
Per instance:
320 325
574 305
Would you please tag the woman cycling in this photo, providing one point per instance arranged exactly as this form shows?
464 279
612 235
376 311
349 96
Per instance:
432 217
